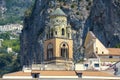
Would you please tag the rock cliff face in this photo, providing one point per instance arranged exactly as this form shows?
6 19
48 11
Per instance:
104 21
99 18
12 11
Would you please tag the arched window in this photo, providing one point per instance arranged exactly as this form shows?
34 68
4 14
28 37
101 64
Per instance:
63 31
57 20
50 51
55 32
51 33
47 36
96 49
64 50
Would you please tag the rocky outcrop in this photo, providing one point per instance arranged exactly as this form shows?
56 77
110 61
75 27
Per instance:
104 21
99 19
31 49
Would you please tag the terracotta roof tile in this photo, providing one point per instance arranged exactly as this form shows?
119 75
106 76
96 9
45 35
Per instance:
62 73
96 73
58 12
19 73
43 73
56 73
114 51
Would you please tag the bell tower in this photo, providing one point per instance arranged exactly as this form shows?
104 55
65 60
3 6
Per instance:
58 46
58 26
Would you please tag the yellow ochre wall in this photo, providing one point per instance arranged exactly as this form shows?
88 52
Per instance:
56 47
93 45
101 48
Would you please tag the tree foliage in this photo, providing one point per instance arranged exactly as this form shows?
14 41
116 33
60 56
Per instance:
14 44
118 45
15 11
5 36
9 63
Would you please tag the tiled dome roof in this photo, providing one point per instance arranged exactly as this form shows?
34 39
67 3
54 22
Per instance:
58 12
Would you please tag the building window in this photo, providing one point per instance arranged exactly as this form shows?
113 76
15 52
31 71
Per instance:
63 31
35 75
51 33
63 45
110 56
79 75
63 20
96 49
55 32
57 20
64 51
86 65
102 52
96 65
50 51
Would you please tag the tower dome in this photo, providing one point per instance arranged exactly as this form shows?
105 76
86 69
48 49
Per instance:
58 12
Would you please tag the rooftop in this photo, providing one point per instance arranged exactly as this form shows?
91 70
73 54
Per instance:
96 73
92 34
58 12
56 73
114 51
62 74
19 73
43 73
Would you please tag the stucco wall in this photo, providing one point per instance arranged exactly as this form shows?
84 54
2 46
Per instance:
100 48
56 47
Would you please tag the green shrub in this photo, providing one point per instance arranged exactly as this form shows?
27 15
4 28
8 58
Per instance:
14 44
72 6
77 13
9 63
5 36
118 45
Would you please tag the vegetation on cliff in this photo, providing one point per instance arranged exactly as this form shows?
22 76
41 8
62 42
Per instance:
9 62
14 11
118 45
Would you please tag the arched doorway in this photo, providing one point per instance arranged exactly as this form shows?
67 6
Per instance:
64 50
49 51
